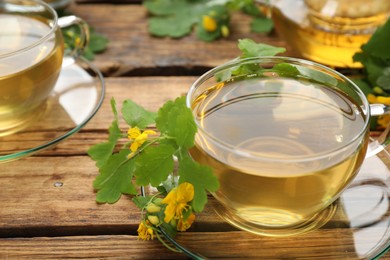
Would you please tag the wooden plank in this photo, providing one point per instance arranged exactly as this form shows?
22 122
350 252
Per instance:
83 247
47 196
133 51
235 245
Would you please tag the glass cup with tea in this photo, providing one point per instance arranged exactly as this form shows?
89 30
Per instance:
328 31
284 136
31 58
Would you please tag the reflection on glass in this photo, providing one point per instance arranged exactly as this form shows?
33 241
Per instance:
74 85
366 204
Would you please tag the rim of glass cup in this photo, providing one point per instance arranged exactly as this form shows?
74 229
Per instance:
274 59
53 25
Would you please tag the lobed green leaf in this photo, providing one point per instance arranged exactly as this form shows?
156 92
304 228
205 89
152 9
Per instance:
262 25
102 151
250 48
115 178
154 165
137 116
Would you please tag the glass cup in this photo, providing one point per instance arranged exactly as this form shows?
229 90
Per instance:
328 31
31 58
284 136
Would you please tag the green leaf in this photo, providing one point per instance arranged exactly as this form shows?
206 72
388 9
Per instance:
384 82
286 70
185 133
378 45
250 48
169 229
173 18
154 165
164 7
375 57
162 119
102 151
206 36
115 178
172 26
249 7
262 25
175 120
201 177
316 75
141 201
363 85
137 116
97 42
88 54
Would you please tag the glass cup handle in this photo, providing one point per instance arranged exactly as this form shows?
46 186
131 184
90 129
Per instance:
82 41
380 143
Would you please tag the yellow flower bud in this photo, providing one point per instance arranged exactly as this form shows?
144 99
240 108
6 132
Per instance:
153 220
225 31
152 208
209 23
378 90
78 41
157 201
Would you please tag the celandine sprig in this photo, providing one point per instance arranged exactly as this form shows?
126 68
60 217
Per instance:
149 158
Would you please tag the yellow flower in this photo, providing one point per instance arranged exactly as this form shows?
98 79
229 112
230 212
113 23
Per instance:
177 200
383 121
145 232
184 225
378 99
138 137
209 23
383 100
371 98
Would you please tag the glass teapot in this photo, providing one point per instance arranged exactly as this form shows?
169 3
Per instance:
328 31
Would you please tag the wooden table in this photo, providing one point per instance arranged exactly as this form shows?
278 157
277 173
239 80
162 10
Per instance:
47 203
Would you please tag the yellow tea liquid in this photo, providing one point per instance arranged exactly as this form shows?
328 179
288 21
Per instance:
273 129
329 32
27 78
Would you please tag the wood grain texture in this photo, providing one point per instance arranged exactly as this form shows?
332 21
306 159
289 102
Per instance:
47 196
215 245
133 51
84 247
47 203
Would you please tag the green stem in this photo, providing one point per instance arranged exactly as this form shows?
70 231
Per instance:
166 245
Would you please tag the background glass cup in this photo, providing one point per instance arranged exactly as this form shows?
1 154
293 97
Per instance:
328 31
31 57
284 136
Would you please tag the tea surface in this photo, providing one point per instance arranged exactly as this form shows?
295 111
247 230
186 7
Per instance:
274 128
27 77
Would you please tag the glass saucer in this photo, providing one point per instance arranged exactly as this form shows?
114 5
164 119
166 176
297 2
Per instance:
359 229
76 98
